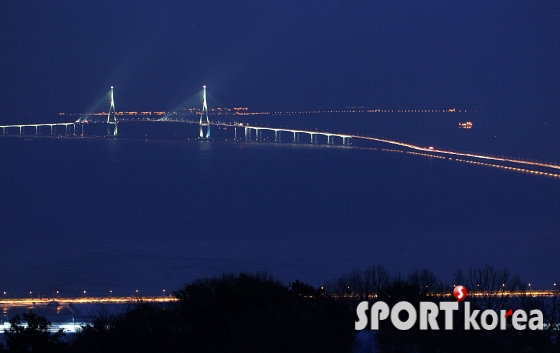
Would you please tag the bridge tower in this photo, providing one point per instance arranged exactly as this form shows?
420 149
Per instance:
204 122
112 118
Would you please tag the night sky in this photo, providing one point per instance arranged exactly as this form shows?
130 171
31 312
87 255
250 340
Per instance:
61 56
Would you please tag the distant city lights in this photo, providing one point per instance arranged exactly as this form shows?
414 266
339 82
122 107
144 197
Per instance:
246 111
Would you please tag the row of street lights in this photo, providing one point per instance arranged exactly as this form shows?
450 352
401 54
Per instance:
84 294
554 285
164 293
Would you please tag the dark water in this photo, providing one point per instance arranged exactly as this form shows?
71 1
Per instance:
102 214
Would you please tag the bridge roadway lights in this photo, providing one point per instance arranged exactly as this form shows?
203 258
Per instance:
346 140
70 128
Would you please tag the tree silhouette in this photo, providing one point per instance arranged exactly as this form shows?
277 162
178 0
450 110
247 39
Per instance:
230 313
33 337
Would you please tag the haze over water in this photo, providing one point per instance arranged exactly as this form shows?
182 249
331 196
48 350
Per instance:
102 214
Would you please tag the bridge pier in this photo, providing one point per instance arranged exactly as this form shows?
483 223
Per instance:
294 140
234 133
36 129
21 130
277 135
204 116
247 134
51 129
329 139
346 141
112 127
202 134
297 137
257 135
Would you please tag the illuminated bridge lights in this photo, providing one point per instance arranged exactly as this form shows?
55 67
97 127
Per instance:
426 155
85 300
112 127
347 140
204 122
37 302
37 131
517 169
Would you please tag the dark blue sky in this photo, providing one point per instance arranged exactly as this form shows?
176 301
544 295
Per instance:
63 55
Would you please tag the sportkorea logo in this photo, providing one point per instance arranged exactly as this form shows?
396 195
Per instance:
429 311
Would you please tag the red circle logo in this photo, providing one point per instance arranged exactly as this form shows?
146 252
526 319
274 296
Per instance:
460 293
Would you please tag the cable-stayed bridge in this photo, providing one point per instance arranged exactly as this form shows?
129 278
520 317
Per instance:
245 132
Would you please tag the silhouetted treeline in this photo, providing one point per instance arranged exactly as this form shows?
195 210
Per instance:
255 313
241 313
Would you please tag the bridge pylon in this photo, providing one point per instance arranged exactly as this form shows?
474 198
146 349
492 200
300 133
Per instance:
112 129
204 122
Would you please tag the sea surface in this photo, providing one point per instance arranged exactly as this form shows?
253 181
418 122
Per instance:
154 212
